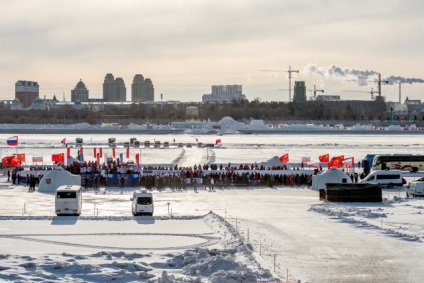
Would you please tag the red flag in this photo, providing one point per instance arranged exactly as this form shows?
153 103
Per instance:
63 141
81 151
20 156
218 141
284 158
10 161
68 152
95 151
113 152
336 161
324 158
137 158
101 152
128 152
58 157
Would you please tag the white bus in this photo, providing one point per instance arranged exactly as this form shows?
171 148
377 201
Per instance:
403 162
68 200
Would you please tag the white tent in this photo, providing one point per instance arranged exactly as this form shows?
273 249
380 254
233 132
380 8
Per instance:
333 175
56 178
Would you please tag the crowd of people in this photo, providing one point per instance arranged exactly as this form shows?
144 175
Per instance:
209 176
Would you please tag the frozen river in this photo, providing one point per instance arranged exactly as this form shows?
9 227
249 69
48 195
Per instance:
315 241
235 148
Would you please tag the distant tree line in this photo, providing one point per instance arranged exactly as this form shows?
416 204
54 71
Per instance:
239 110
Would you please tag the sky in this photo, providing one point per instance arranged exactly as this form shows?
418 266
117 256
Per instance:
185 46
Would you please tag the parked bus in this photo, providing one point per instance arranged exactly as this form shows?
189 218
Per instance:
68 200
403 162
367 163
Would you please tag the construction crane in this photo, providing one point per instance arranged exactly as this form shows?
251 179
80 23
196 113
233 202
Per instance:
315 92
289 71
379 84
371 92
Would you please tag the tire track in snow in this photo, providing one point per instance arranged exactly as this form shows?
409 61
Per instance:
209 240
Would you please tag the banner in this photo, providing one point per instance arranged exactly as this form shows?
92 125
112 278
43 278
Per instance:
284 158
81 151
113 152
20 156
128 153
95 151
101 152
324 158
58 157
68 152
98 158
37 159
137 158
12 141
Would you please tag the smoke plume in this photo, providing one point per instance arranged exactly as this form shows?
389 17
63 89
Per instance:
360 77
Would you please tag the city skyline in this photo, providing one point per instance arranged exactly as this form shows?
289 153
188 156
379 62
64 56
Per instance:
187 46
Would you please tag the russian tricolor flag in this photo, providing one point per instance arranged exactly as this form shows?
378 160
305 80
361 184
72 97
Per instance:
12 141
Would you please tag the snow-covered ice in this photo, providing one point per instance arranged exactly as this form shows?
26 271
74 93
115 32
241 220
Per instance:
231 235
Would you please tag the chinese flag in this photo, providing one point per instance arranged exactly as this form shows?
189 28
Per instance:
218 141
95 151
58 157
20 157
113 152
101 152
137 158
284 158
128 152
324 158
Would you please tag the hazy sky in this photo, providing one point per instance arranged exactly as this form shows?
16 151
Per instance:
184 47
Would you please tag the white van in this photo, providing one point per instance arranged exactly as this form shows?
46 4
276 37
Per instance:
142 203
68 200
386 178
415 188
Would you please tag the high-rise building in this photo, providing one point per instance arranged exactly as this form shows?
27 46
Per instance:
120 90
108 88
299 91
26 92
150 91
114 90
79 93
224 93
142 89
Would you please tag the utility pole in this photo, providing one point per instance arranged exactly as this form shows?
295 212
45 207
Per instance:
290 71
